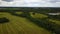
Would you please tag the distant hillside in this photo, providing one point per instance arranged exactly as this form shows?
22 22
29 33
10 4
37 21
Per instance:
35 9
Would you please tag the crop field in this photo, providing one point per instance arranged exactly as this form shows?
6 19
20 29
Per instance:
23 25
19 25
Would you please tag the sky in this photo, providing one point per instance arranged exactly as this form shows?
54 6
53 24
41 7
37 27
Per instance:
29 3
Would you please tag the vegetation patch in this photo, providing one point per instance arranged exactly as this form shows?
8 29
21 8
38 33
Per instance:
4 20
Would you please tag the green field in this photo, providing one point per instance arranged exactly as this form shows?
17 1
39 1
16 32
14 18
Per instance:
20 25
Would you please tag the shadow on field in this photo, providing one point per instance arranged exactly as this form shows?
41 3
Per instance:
4 20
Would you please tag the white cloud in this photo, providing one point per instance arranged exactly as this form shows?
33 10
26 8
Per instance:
31 3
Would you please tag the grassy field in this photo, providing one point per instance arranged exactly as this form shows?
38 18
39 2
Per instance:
42 16
19 25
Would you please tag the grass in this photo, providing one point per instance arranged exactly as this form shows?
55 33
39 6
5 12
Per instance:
55 21
42 16
38 15
19 12
19 25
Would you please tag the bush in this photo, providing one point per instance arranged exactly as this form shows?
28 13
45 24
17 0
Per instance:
3 20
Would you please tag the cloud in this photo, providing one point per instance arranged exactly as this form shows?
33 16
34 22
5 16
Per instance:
31 3
54 1
7 0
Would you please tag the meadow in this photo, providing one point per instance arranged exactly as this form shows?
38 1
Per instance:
19 25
